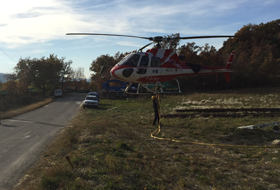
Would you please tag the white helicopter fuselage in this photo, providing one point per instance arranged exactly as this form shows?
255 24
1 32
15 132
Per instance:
158 65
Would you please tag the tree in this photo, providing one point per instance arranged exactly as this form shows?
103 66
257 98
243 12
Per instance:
257 51
85 85
107 62
11 85
103 60
41 74
66 69
77 76
23 72
45 73
170 44
208 55
190 51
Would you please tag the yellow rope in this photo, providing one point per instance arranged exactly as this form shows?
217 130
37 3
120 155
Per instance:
157 131
158 106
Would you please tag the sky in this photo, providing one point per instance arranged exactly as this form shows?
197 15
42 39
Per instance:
36 29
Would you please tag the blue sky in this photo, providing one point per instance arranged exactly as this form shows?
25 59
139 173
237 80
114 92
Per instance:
34 29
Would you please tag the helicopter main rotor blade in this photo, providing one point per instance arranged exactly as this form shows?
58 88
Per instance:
110 35
156 39
195 37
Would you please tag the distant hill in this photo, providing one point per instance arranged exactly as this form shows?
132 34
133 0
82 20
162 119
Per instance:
2 79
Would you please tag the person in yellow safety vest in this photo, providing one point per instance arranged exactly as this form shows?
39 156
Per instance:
155 99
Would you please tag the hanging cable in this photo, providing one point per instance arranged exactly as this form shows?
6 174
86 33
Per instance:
7 55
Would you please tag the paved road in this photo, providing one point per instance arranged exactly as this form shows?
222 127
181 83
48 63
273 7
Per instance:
24 137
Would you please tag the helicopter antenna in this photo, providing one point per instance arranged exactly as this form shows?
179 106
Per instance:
103 72
145 46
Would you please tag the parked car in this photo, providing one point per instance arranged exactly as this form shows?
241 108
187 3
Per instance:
94 94
58 93
91 101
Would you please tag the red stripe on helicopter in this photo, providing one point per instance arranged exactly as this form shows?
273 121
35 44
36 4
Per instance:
228 65
113 70
165 55
153 51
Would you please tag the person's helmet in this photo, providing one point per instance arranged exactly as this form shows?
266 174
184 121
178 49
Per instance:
153 97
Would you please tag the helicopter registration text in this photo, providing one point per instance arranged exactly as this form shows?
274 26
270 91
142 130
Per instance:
152 78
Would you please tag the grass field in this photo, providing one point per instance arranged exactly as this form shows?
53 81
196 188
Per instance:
111 147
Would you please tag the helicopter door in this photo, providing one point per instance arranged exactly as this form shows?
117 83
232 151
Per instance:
143 65
155 66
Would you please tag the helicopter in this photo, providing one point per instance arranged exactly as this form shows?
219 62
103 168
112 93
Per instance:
159 65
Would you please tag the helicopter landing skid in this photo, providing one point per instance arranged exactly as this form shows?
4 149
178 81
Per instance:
158 89
149 93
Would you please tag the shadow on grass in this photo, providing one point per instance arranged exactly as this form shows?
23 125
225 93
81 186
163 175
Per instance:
250 137
29 121
101 106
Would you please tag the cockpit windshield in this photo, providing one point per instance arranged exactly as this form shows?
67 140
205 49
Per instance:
130 60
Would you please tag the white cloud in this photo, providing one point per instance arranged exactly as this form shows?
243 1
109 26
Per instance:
31 21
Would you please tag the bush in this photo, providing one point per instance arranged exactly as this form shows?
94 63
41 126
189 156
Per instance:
9 103
50 183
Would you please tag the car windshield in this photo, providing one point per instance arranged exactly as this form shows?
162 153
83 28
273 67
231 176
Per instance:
91 98
92 93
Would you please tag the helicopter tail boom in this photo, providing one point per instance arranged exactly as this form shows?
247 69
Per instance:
227 75
228 66
229 62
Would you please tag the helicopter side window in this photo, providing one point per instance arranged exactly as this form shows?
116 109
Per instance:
156 62
144 61
131 60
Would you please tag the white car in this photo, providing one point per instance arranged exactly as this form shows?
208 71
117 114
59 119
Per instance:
91 101
58 93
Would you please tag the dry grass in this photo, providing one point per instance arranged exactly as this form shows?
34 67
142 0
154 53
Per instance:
25 109
112 148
